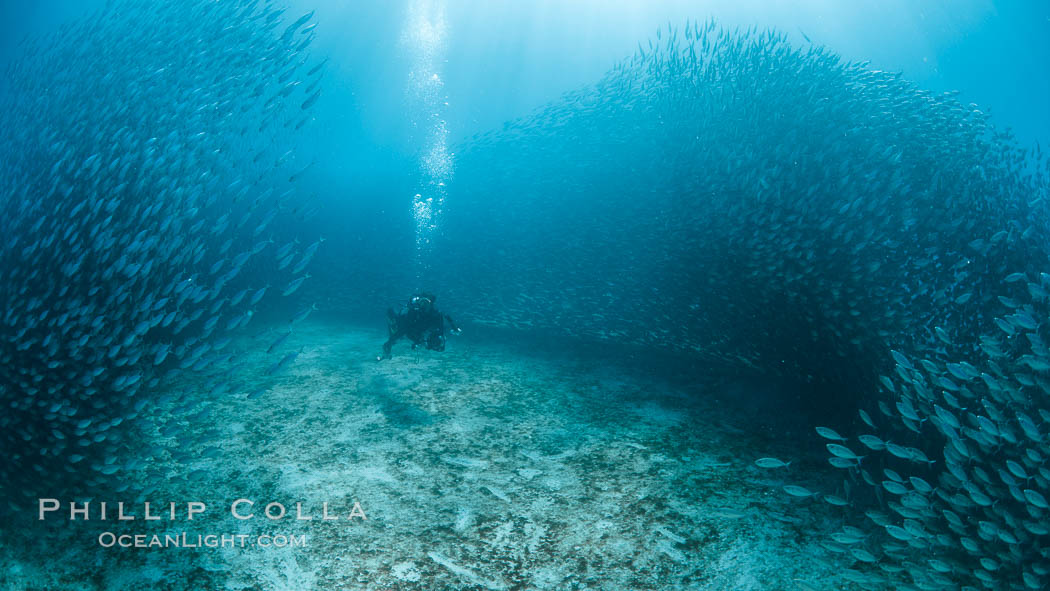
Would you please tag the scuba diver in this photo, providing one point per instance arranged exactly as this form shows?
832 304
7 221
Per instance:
420 322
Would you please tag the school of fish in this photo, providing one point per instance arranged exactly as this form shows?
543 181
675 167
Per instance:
775 208
722 194
148 205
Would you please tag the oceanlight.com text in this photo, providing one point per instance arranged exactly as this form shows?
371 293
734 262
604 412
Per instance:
187 540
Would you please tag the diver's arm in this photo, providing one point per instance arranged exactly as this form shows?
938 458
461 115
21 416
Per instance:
395 337
452 324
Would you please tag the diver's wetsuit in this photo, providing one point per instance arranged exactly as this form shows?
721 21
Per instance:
420 322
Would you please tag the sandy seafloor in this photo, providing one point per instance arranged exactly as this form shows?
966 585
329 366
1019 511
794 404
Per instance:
498 464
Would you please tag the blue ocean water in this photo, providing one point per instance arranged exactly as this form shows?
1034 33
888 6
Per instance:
751 296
